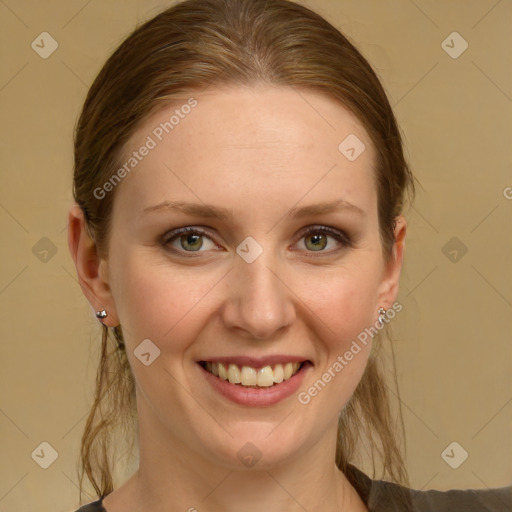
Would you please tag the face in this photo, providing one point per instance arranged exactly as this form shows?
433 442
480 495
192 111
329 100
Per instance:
245 237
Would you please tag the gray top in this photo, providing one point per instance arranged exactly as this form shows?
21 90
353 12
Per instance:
382 496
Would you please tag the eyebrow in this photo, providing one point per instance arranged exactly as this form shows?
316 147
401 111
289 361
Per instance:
201 210
323 208
210 211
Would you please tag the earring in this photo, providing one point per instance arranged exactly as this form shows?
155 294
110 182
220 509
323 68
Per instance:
101 314
382 317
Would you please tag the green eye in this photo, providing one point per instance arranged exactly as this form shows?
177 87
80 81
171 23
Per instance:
191 242
316 241
323 239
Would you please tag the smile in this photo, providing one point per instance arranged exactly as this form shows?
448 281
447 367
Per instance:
252 377
255 383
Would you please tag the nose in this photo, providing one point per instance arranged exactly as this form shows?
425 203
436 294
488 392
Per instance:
258 305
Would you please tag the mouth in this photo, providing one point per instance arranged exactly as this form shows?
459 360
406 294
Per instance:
254 382
251 377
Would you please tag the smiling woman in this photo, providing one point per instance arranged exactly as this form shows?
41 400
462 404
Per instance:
241 265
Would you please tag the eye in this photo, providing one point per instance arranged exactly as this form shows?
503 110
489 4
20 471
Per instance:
323 239
189 240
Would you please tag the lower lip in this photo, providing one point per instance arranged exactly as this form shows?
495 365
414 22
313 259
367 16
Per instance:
257 397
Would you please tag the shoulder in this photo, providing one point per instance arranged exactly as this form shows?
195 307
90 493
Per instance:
382 496
95 506
463 500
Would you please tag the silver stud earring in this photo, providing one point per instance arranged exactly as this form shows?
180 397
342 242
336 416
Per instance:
101 314
382 317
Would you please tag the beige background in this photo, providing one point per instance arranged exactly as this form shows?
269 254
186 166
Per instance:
453 339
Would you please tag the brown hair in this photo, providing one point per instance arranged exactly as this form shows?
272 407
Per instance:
231 42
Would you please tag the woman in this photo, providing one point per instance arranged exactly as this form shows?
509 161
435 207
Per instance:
239 185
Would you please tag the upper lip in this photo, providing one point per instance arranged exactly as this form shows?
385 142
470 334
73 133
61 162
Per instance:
256 362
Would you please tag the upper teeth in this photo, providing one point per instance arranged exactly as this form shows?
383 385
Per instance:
248 376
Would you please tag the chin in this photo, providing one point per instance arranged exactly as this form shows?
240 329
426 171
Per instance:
254 446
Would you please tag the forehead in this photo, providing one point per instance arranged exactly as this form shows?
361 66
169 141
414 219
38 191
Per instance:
230 145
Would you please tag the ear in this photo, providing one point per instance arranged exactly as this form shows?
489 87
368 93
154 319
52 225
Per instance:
388 289
92 271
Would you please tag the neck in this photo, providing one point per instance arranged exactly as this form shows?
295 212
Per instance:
292 488
171 476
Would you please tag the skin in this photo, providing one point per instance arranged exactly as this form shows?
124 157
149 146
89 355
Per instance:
258 152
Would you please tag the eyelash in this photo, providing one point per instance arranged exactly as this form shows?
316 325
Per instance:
174 235
342 238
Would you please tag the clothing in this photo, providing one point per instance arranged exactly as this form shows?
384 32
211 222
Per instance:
382 496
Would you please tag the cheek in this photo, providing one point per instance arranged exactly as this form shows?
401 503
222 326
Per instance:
341 314
343 302
159 303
